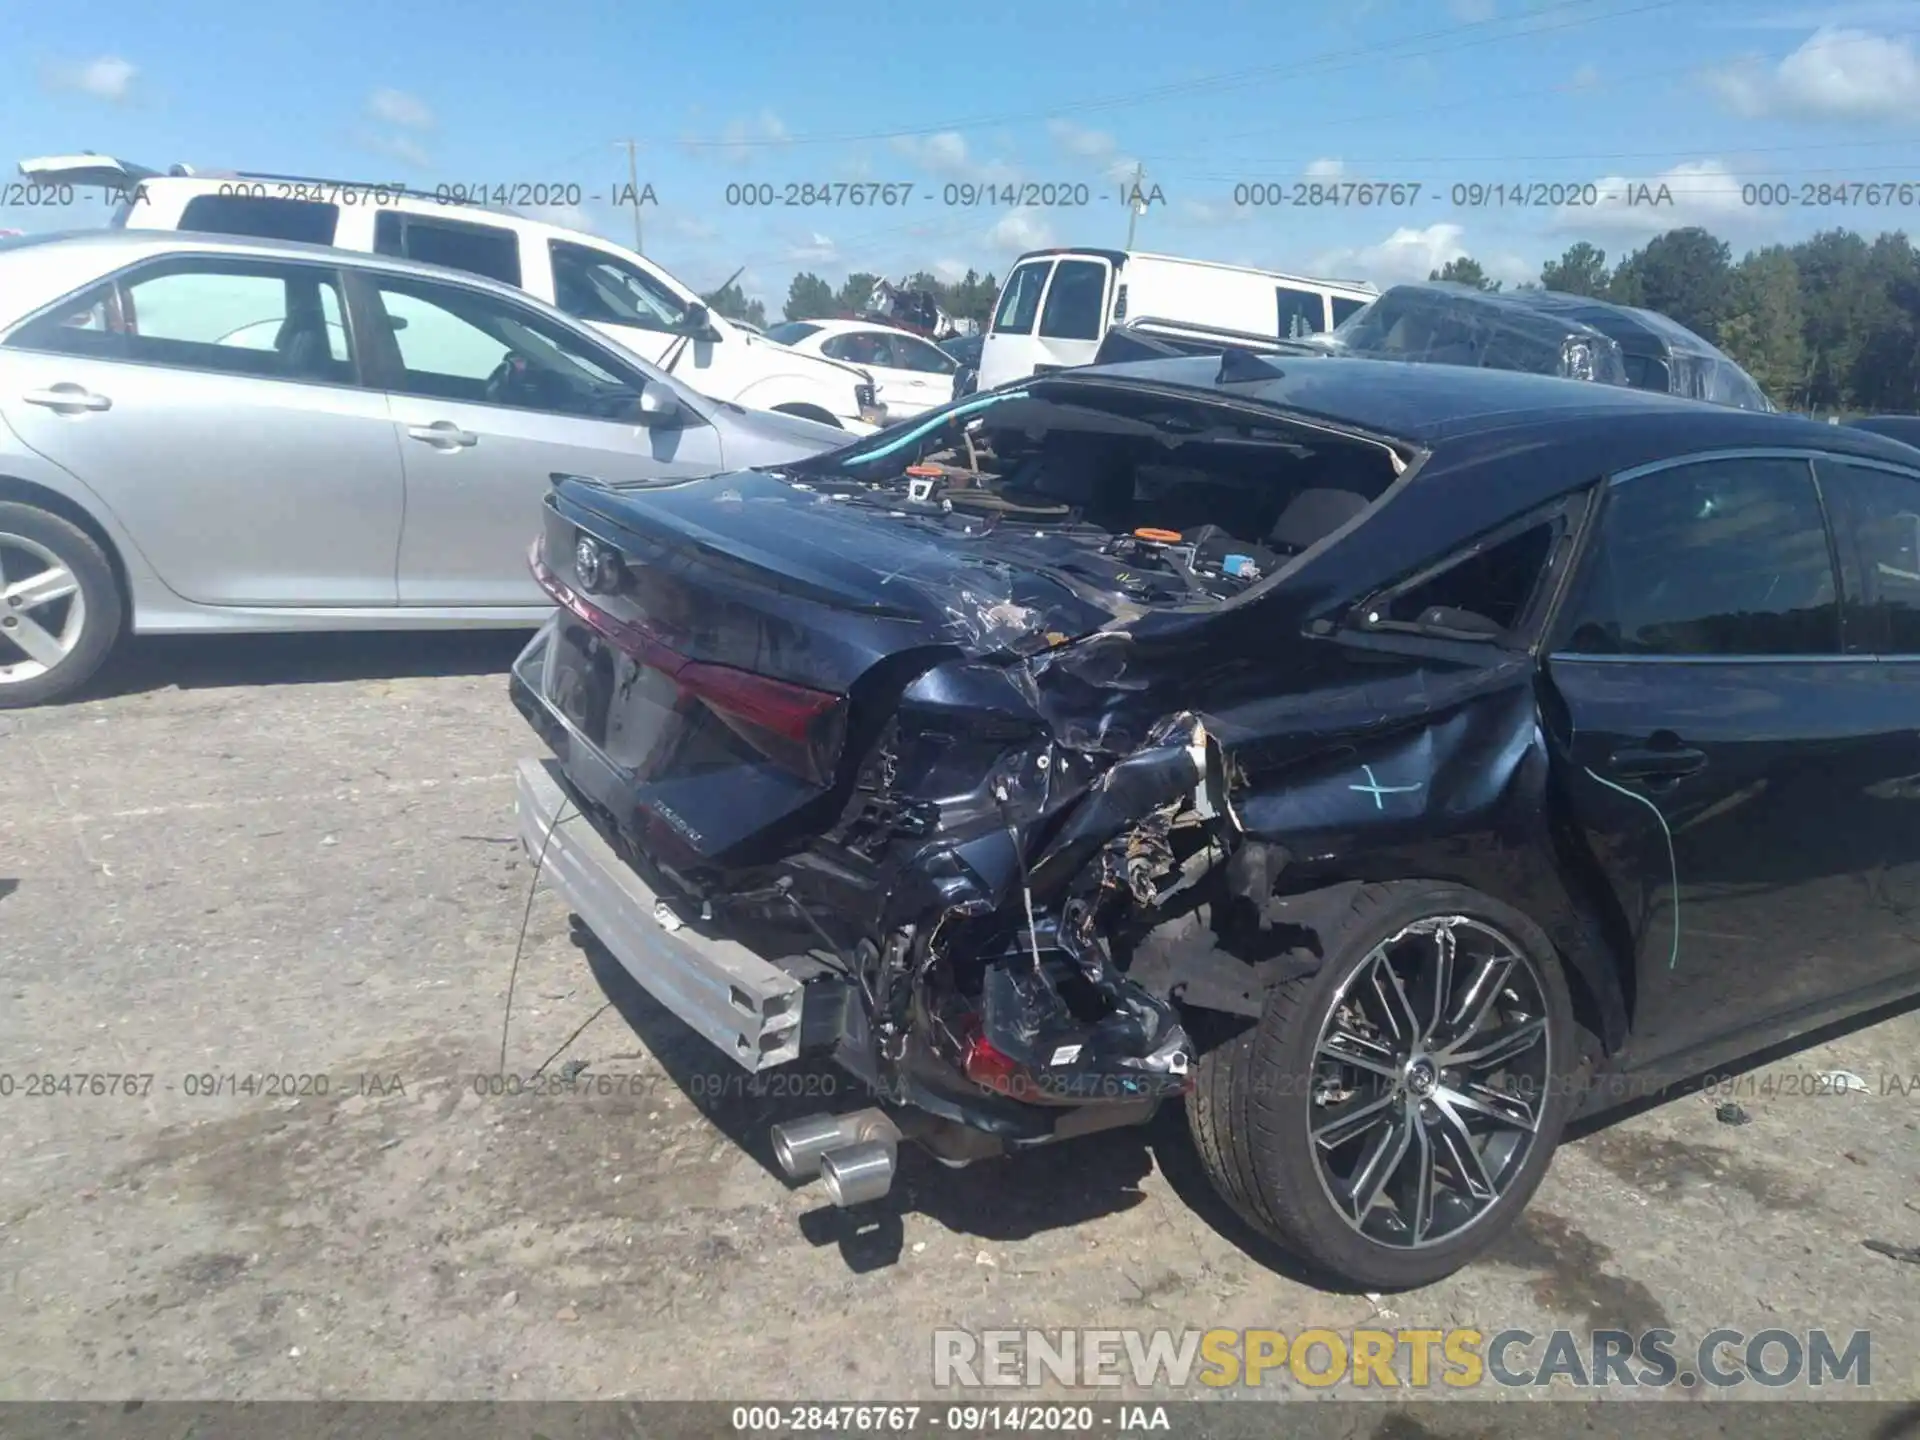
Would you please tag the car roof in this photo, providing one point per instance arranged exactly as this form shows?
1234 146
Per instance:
1463 408
121 247
1905 428
849 327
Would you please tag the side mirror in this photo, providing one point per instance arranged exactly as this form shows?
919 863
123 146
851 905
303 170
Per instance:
660 407
699 323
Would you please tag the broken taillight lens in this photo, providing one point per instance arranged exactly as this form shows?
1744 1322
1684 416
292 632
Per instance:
991 1068
792 725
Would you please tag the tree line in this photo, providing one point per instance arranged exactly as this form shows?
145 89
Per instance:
1829 326
811 298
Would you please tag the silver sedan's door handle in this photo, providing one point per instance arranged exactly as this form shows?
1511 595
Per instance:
443 435
68 399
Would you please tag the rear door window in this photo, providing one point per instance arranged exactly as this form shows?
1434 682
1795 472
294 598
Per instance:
489 250
1075 301
1877 513
1020 300
265 217
1714 558
1343 307
1302 312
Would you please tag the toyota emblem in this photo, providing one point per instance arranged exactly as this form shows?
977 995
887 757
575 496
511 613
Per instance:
589 563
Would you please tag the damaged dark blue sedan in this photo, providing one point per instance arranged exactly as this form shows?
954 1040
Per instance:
1392 760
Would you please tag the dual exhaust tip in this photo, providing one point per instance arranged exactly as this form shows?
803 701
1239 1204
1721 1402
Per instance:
854 1155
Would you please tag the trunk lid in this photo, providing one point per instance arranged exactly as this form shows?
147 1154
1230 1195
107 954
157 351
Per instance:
724 643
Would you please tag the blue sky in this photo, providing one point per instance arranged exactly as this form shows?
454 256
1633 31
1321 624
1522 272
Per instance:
1704 96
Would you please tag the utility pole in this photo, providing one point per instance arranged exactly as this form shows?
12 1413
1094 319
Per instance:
633 191
1134 207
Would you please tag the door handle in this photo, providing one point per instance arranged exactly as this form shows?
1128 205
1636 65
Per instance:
67 399
1644 762
443 435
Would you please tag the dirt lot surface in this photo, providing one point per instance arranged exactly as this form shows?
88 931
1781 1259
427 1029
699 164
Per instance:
295 859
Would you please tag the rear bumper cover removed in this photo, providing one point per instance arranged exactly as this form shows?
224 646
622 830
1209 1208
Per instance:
741 1003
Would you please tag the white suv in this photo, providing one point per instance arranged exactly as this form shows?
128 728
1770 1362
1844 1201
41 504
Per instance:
618 292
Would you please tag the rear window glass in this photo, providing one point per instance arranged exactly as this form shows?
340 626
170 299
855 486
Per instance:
264 217
1020 300
791 333
487 250
1302 312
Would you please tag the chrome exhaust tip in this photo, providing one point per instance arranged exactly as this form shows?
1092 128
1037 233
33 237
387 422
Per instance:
859 1173
799 1145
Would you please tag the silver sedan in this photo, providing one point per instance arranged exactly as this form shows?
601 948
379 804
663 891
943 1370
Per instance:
200 434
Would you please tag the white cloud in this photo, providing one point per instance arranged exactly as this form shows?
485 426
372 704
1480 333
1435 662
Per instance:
743 139
397 107
1887 14
1081 142
1406 254
951 271
398 147
1211 212
1020 229
1471 12
816 249
1326 169
680 226
1095 147
946 154
106 77
1697 192
571 217
1587 77
1836 74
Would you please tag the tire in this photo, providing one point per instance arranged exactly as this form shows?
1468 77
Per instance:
87 621
1256 1097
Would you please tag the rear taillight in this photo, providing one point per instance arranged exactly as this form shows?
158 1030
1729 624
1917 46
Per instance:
794 726
991 1068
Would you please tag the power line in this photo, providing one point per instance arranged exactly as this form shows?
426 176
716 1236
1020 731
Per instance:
1223 80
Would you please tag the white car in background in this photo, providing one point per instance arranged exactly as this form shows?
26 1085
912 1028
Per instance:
623 295
913 374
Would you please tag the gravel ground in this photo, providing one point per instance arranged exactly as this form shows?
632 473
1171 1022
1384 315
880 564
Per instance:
293 858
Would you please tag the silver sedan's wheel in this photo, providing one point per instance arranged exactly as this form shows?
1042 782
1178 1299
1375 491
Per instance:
60 606
1428 1078
43 615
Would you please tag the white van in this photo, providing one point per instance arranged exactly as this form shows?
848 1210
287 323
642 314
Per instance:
622 294
1056 305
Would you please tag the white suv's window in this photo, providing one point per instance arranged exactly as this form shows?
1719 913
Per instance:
266 217
592 285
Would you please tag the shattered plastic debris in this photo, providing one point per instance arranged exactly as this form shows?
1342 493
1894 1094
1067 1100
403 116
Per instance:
1843 1081
1906 1254
1731 1113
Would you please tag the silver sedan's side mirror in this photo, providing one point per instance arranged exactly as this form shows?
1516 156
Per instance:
660 406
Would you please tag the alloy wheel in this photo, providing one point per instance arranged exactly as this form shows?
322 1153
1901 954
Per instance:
1429 1081
43 612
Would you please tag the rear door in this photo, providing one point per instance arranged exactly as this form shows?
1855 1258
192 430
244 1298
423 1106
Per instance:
489 398
215 404
1722 742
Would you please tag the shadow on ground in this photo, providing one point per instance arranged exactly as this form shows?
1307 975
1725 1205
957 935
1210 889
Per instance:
1051 1188
196 662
